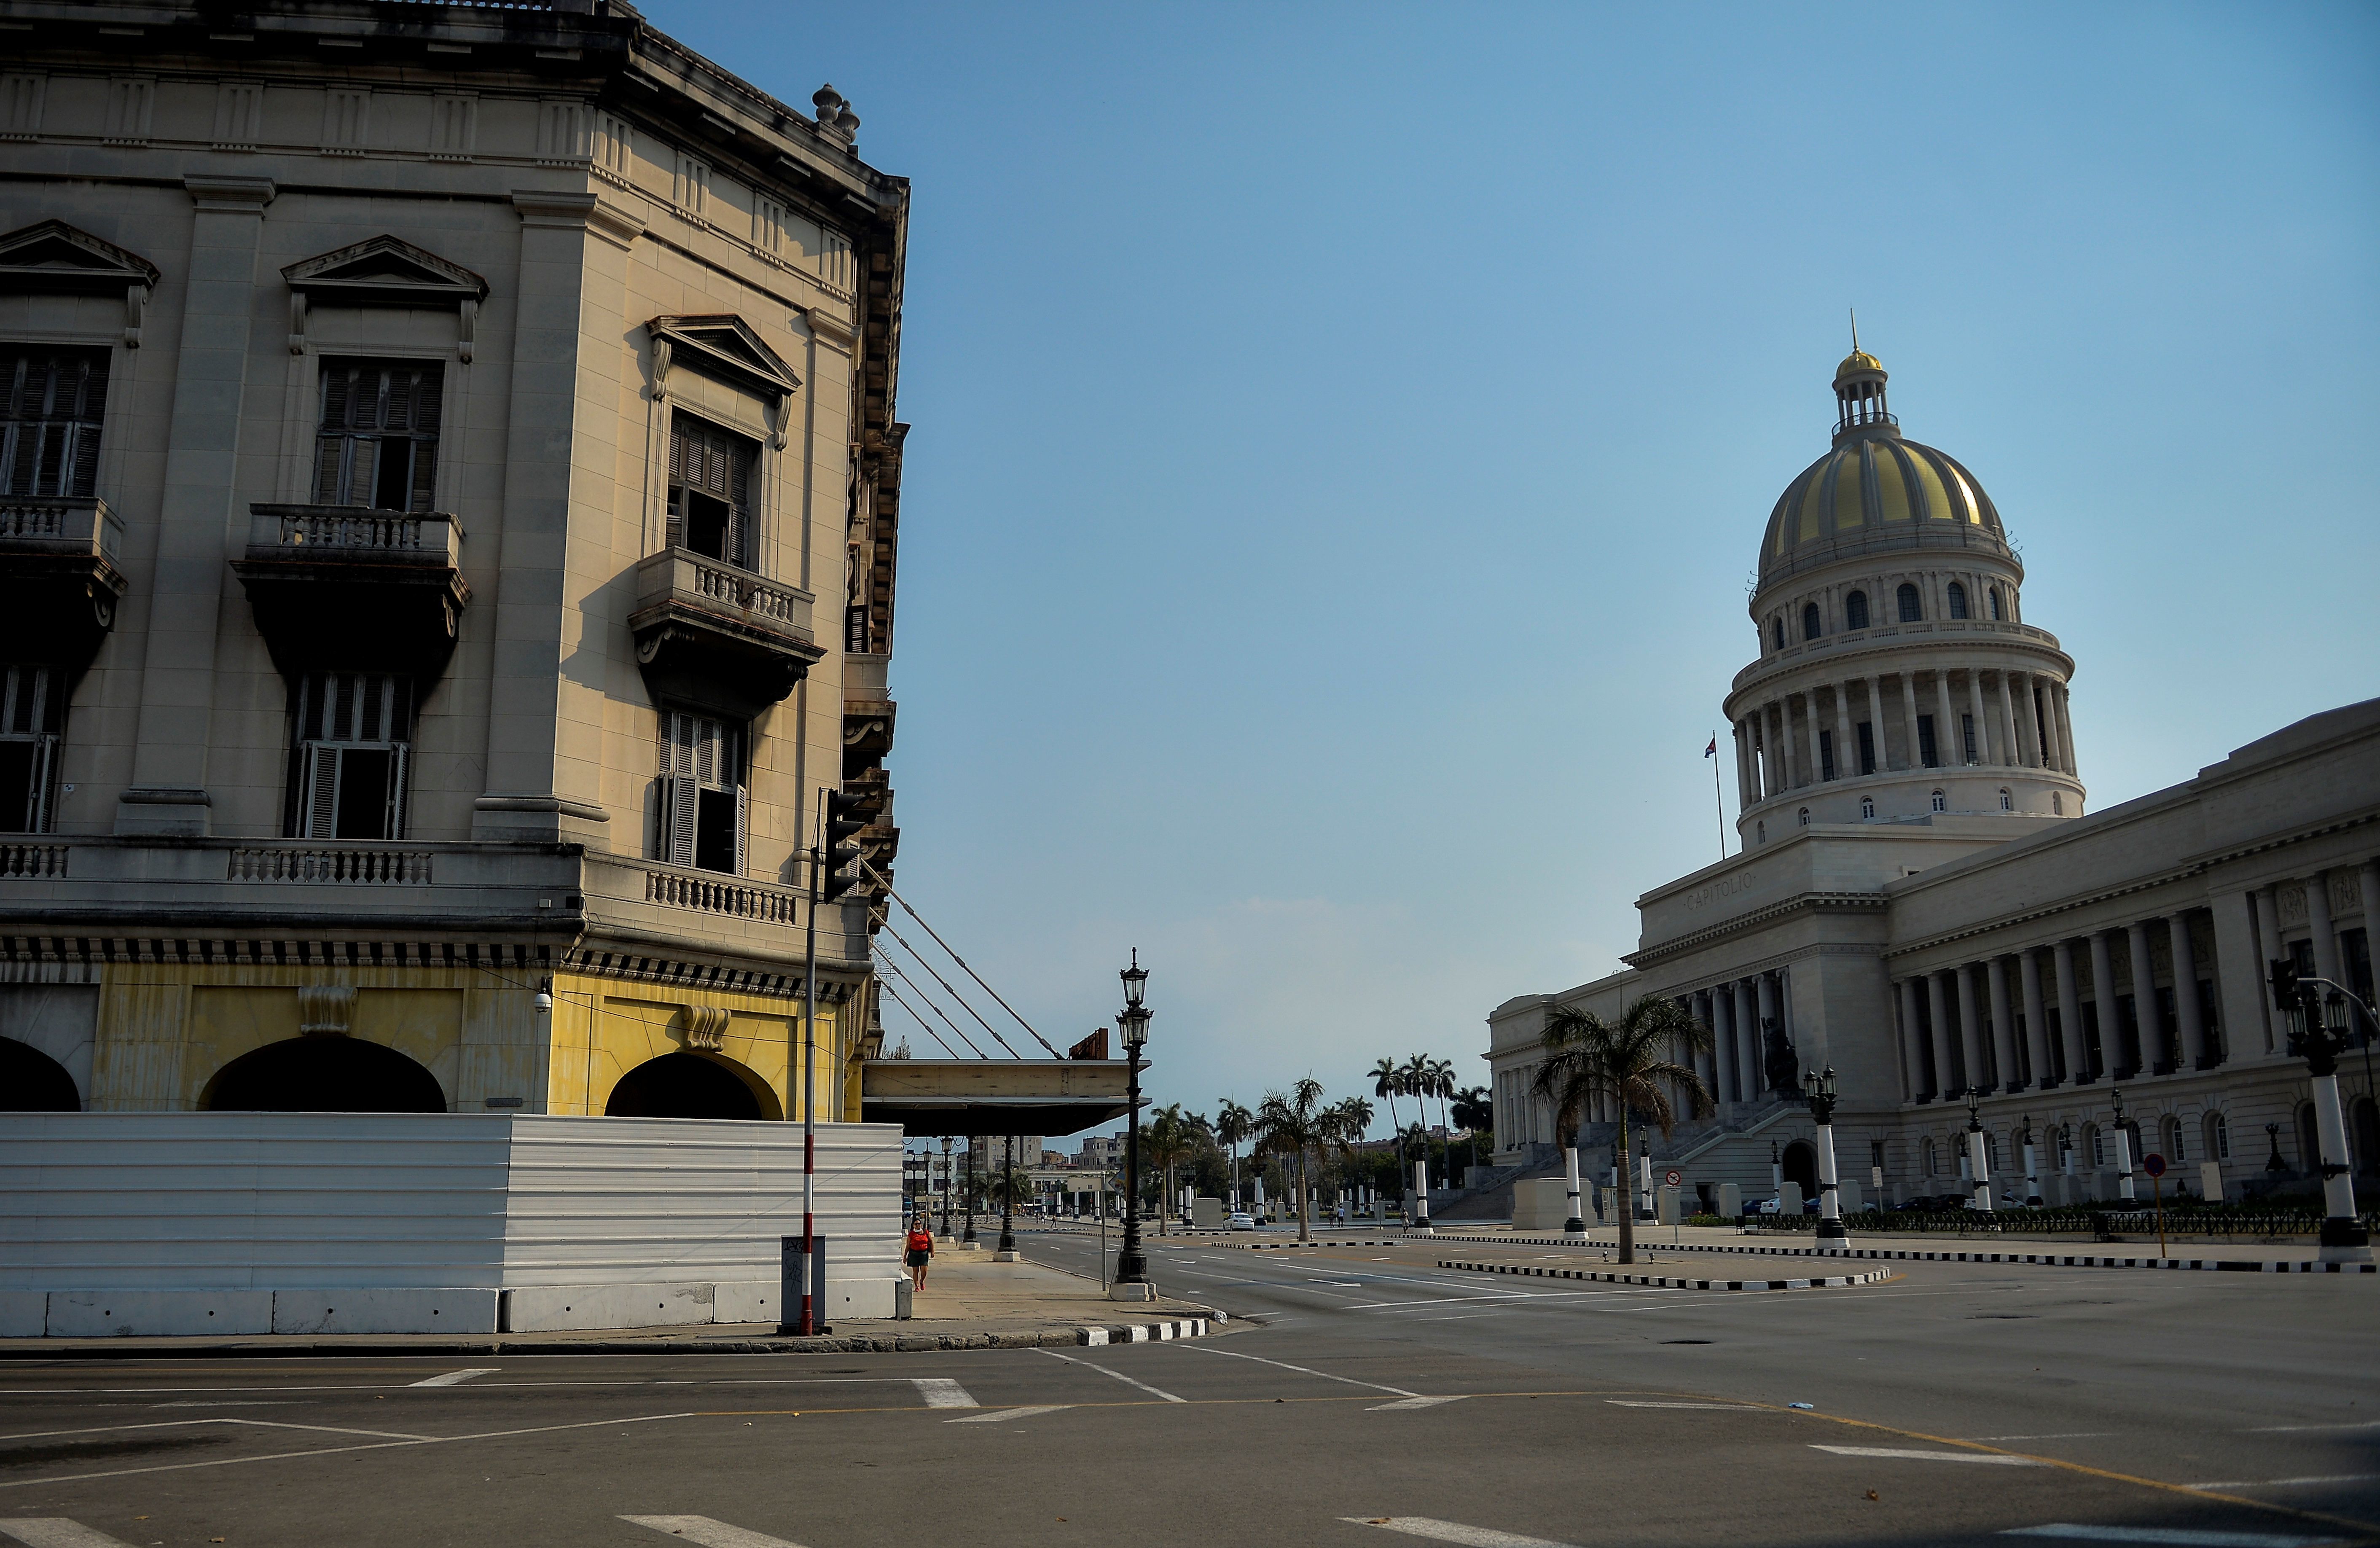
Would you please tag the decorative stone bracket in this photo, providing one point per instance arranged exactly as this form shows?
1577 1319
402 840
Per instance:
326 1009
705 1027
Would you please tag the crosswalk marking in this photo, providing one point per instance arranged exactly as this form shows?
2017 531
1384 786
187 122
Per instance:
1154 1392
1416 1403
1453 1531
457 1378
2000 1458
708 1532
941 1392
2179 1537
1302 1370
55 1531
1000 1416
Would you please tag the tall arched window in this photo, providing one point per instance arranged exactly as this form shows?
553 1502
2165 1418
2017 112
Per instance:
1811 628
1958 599
1762 829
1999 610
1777 634
2057 804
1907 597
1855 610
1926 1155
1941 802
1867 807
2217 1136
1806 816
2007 802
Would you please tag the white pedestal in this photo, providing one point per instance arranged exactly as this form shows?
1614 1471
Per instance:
1131 1292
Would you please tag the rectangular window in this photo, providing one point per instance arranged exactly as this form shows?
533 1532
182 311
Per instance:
1867 747
376 441
2207 1018
32 726
1927 752
2093 1053
701 816
1826 755
1967 731
354 740
51 404
710 491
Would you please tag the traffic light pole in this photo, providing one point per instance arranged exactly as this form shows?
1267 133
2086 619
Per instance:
806 1324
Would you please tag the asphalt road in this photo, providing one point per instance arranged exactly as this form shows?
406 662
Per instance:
1370 1397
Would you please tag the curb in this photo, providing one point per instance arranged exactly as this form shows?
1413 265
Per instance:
1125 1333
1664 1282
2058 1259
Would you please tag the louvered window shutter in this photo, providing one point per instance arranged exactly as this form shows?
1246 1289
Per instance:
742 823
679 452
332 443
738 470
322 791
683 795
428 398
394 827
43 798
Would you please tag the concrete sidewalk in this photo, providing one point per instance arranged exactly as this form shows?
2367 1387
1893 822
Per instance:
970 1303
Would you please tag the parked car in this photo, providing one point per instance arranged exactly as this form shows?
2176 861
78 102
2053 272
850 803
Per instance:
1240 1223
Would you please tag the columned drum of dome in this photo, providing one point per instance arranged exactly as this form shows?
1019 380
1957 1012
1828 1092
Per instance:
1897 679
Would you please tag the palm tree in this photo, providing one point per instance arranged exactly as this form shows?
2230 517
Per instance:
1010 1185
1351 1119
1441 1086
1628 1062
1167 1140
1421 1078
1287 1127
1233 1124
1389 1081
1473 1111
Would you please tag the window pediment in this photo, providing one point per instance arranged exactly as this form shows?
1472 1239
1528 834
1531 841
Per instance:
55 256
725 345
385 271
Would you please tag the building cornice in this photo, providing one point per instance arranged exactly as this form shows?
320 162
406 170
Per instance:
1802 903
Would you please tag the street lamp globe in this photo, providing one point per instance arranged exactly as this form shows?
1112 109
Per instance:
1133 1021
1136 981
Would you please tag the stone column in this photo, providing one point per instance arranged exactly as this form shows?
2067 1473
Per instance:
2004 1054
1785 718
1913 1043
1876 729
2186 1011
2066 731
1983 728
196 521
1747 1042
2103 997
2037 1021
2368 879
1722 1024
1971 1026
1846 750
1948 744
2009 741
2052 757
1909 708
2268 951
1742 768
2070 1016
2145 1016
2326 939
1765 985
1938 1006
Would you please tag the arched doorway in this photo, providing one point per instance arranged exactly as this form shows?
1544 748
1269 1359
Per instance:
323 1075
1801 1164
689 1086
30 1082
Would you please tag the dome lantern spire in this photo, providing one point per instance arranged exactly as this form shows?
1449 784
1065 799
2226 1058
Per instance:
1858 394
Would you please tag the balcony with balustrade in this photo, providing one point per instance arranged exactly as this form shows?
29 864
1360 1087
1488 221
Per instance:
715 636
59 583
347 586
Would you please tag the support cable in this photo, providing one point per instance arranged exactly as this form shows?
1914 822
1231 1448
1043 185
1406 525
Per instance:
928 1001
917 1019
962 961
954 994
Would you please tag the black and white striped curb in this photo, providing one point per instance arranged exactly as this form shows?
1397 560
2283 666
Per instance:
1276 1245
1152 1333
1666 1283
2058 1259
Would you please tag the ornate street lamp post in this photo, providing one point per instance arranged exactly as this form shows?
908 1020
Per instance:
2032 1168
2319 1033
1819 1088
1977 1170
1132 1264
1008 1199
2124 1148
946 1188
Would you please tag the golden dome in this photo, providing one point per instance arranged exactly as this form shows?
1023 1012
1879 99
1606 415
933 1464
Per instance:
1858 360
1874 492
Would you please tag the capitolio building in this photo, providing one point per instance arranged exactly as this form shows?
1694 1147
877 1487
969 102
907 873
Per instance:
1926 902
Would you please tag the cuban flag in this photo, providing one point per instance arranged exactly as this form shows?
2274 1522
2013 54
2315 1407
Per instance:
1712 750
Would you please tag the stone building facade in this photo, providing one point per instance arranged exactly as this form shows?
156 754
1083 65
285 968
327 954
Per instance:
448 521
1920 903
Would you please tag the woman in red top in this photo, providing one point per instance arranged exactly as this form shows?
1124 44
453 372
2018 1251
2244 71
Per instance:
920 1251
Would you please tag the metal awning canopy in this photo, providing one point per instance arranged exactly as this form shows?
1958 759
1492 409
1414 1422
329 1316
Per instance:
1048 1097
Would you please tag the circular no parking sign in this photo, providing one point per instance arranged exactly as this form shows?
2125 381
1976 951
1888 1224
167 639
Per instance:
2153 1164
1673 1176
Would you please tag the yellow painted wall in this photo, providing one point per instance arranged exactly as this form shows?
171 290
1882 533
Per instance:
603 1029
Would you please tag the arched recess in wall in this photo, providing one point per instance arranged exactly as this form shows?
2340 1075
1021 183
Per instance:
1801 1164
30 1082
685 1085
322 1074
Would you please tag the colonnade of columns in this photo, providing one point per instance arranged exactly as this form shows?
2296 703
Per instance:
2010 1022
2264 908
2020 718
1735 1066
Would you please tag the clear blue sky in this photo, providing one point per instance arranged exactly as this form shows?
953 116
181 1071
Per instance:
1344 434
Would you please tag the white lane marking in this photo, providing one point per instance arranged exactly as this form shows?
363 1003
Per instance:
1988 1456
2284 1429
457 1378
55 1531
941 1392
321 1451
2286 1482
708 1532
235 1403
2180 1536
1452 1531
1002 1416
1724 1408
184 1423
1156 1392
1416 1403
1203 1349
2058 1436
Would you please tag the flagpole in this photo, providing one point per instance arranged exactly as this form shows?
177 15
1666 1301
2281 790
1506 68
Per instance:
1718 797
